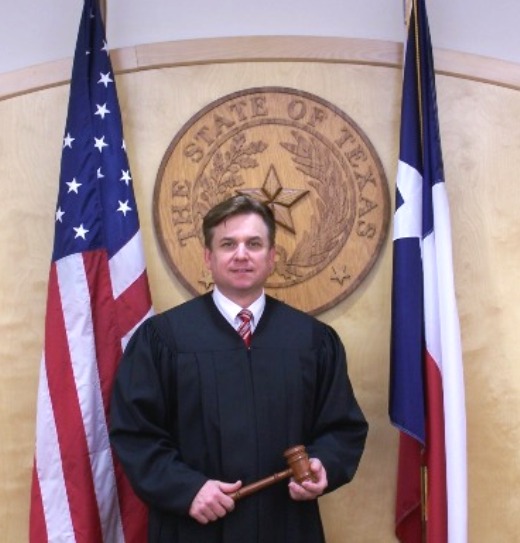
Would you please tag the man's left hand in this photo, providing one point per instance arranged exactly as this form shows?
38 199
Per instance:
310 490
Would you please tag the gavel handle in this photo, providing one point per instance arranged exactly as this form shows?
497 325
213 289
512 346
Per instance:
259 485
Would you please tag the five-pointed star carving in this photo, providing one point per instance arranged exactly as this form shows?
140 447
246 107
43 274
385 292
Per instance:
340 275
278 198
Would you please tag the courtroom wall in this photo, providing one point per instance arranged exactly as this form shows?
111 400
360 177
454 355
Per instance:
481 143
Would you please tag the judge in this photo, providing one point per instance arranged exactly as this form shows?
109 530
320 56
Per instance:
199 410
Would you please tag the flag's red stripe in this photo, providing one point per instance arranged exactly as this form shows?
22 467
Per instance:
133 304
69 424
408 518
106 332
107 335
408 512
134 513
37 525
437 526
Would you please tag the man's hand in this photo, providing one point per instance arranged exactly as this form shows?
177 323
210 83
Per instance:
212 501
310 490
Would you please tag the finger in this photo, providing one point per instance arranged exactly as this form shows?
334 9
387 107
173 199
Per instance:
199 517
211 515
219 510
228 488
299 493
316 465
228 503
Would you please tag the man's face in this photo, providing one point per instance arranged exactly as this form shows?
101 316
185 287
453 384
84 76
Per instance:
240 258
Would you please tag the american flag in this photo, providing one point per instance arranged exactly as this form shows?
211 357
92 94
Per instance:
97 295
426 378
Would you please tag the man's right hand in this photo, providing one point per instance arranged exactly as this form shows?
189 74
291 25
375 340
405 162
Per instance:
213 501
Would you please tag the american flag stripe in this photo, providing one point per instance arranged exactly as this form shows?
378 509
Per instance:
98 294
52 520
130 308
37 525
82 427
77 402
127 265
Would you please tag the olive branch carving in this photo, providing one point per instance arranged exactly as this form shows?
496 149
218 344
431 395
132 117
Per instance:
327 231
225 173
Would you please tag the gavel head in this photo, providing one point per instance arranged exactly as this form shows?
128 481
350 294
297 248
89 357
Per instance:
298 461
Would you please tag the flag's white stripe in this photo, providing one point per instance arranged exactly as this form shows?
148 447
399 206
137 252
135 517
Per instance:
75 296
452 373
49 468
408 217
443 342
128 335
431 296
106 493
127 265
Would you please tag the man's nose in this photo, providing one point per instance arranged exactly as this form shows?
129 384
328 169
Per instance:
241 251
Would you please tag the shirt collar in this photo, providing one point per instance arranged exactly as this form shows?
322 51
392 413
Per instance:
230 309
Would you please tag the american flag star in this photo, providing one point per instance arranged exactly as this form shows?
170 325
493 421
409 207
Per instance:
98 294
90 190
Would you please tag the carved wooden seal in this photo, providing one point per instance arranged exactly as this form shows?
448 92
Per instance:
303 156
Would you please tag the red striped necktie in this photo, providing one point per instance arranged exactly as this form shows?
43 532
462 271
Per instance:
244 330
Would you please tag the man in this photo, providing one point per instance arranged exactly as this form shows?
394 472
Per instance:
197 413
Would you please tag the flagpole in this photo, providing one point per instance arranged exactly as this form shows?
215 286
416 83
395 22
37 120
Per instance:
424 499
407 10
424 467
103 11
418 57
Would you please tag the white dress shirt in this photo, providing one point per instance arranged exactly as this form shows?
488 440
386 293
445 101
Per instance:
230 309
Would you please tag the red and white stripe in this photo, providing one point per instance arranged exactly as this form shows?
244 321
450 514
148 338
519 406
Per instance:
79 494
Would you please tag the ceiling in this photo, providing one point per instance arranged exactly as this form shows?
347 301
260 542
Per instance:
33 33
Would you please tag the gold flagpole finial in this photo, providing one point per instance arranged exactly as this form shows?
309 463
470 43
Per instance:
407 10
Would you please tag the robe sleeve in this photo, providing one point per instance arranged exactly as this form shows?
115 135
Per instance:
142 427
339 426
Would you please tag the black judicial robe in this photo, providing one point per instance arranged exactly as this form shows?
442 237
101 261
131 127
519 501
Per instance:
192 403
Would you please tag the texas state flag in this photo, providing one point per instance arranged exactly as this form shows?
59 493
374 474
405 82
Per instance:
426 374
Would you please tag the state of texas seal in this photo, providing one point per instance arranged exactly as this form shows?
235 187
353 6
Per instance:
309 161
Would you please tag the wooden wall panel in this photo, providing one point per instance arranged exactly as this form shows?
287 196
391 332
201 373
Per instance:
481 141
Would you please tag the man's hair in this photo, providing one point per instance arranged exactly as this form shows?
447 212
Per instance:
237 205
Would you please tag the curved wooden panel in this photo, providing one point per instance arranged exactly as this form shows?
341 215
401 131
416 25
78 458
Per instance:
264 48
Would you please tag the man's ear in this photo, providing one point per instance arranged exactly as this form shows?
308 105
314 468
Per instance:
207 258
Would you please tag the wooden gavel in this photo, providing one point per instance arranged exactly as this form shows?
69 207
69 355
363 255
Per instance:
299 468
